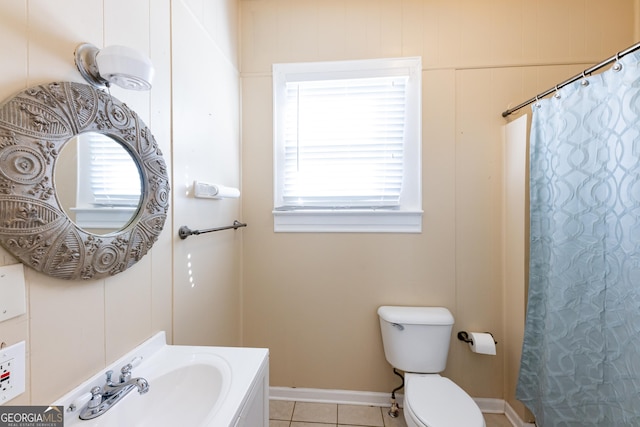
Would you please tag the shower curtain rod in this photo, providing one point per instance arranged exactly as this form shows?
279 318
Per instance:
574 78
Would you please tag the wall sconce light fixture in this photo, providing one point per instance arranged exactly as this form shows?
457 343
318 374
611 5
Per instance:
119 65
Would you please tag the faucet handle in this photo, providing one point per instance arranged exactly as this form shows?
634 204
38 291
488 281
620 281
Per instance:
108 374
96 397
125 373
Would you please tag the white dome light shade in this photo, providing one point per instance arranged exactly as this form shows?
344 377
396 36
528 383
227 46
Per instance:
125 67
119 65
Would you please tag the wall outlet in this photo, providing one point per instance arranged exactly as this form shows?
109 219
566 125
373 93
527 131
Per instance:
5 375
12 371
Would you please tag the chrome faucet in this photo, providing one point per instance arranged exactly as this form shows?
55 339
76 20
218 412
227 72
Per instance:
103 398
110 389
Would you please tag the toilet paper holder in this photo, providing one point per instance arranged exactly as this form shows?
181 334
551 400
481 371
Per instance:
464 336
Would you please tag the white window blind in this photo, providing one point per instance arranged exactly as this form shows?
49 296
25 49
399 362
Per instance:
347 146
344 143
113 176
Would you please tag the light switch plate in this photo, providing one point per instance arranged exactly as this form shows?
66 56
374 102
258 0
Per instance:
12 371
12 291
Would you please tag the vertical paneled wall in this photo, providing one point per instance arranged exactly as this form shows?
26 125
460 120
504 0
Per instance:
312 298
206 128
73 328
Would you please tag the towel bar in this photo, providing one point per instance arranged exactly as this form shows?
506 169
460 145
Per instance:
185 232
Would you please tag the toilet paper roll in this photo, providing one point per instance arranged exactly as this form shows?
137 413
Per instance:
483 343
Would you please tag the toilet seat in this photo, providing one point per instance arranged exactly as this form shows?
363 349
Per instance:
435 401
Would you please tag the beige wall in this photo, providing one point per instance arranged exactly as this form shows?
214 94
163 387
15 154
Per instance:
73 329
312 298
206 129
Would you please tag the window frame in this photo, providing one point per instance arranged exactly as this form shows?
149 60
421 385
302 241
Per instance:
406 218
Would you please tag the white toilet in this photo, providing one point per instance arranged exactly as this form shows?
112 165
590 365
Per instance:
416 341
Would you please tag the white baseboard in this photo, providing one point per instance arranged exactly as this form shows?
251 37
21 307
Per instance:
514 418
349 397
345 397
490 406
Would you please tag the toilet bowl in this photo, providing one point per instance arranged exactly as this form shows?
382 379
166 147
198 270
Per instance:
416 341
431 400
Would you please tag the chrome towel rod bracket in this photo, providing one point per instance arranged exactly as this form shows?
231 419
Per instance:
185 232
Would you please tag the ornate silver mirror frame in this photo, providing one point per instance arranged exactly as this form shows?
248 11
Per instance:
34 126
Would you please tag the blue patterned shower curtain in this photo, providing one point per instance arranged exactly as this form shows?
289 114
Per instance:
580 362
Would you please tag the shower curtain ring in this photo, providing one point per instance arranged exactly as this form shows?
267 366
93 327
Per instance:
584 81
617 66
537 103
557 94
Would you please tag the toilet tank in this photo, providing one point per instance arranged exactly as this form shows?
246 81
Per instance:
416 339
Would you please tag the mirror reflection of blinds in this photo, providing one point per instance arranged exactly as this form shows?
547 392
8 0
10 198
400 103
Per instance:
114 176
344 143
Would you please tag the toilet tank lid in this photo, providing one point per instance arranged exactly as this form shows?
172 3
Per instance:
416 315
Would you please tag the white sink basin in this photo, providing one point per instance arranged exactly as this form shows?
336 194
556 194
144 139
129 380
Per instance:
188 386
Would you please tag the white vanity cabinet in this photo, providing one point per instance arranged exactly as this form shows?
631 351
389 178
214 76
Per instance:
195 386
255 410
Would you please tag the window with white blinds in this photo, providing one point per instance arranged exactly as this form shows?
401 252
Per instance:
110 176
344 143
347 146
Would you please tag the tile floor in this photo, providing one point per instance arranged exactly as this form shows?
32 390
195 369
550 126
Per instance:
304 414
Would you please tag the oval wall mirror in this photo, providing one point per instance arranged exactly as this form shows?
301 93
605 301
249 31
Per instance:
43 130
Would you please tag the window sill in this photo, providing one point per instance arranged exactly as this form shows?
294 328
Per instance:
351 221
109 218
